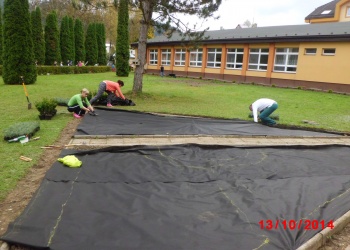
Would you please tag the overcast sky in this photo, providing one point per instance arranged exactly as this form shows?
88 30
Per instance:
264 13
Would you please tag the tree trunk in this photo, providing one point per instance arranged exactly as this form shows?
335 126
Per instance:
147 9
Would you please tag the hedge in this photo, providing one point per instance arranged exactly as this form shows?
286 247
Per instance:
60 70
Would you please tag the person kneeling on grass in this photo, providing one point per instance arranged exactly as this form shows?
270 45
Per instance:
79 104
111 88
266 107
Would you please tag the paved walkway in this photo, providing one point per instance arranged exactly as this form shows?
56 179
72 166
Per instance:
106 141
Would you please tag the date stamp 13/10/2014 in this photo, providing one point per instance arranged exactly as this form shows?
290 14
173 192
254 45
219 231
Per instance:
295 224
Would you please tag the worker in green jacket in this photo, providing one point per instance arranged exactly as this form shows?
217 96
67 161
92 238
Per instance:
79 104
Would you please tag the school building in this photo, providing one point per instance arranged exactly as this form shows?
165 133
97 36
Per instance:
311 56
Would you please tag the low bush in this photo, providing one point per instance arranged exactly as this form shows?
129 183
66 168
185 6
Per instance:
46 107
21 128
58 70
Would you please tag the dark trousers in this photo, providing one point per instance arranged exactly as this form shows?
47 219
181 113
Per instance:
264 116
76 109
101 89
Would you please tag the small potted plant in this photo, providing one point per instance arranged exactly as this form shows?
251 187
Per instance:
46 108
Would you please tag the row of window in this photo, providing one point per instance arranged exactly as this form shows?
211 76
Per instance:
325 12
286 59
325 52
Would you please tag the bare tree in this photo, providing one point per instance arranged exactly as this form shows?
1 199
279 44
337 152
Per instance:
63 7
249 24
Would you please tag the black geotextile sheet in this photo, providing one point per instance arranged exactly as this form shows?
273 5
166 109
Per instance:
187 197
121 122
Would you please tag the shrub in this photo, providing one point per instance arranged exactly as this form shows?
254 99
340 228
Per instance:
47 107
62 101
22 128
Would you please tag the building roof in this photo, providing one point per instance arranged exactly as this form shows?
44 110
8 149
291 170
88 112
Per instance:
325 11
339 31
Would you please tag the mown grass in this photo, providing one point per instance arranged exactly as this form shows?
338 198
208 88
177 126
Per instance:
165 95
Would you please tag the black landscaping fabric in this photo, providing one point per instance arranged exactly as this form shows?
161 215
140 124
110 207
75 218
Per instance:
120 122
186 197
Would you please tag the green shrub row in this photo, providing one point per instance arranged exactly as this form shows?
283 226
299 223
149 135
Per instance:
46 106
21 128
58 70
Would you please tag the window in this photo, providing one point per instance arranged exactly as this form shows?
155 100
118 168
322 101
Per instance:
234 58
348 12
310 51
196 57
214 58
328 52
258 59
153 57
166 56
180 56
286 59
325 12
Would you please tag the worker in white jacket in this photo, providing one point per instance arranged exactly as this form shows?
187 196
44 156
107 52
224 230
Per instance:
265 107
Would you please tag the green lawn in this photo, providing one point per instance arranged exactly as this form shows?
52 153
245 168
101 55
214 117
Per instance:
165 95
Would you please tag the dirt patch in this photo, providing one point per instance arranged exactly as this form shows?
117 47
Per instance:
339 241
18 199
